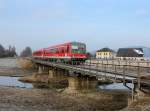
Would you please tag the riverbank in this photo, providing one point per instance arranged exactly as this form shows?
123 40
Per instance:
138 105
17 99
142 104
15 67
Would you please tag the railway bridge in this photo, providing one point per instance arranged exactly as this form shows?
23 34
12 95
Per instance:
135 72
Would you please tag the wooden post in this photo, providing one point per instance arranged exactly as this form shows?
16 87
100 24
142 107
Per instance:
105 72
126 64
102 65
107 66
147 67
115 73
87 82
90 63
90 66
132 90
124 81
97 68
114 65
139 78
43 67
118 62
147 64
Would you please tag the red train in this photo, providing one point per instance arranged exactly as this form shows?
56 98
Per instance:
72 53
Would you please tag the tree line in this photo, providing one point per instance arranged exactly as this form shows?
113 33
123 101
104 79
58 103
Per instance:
27 52
10 52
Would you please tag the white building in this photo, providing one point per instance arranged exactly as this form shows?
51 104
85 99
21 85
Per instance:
105 53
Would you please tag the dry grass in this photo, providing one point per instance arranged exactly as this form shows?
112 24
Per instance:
25 64
142 104
48 100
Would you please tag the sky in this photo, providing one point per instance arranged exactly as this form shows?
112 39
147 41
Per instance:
98 23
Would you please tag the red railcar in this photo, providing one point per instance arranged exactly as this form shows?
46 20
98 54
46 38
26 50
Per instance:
72 52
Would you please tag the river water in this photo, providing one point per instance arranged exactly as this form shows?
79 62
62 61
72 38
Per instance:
10 68
13 82
9 63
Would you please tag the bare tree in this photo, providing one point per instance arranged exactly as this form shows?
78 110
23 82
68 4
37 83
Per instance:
27 52
2 51
11 52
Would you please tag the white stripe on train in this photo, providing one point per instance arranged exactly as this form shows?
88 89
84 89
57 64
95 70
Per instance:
66 57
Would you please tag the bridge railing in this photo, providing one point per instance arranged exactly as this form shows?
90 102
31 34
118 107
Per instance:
125 69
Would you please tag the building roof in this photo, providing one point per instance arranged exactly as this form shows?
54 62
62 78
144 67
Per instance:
105 50
130 52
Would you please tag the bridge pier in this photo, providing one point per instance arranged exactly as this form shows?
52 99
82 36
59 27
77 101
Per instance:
79 84
51 73
61 73
40 69
57 77
73 83
55 73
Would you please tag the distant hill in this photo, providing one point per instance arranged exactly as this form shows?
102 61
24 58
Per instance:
93 52
146 52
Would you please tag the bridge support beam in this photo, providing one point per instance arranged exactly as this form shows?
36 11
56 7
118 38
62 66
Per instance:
40 69
51 73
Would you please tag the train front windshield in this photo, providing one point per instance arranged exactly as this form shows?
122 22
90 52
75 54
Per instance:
78 48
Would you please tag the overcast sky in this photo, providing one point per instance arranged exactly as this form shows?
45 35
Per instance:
98 23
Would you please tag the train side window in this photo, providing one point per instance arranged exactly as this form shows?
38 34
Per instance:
61 50
56 50
67 49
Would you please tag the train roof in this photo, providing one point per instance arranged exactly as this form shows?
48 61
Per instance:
59 45
38 50
63 44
